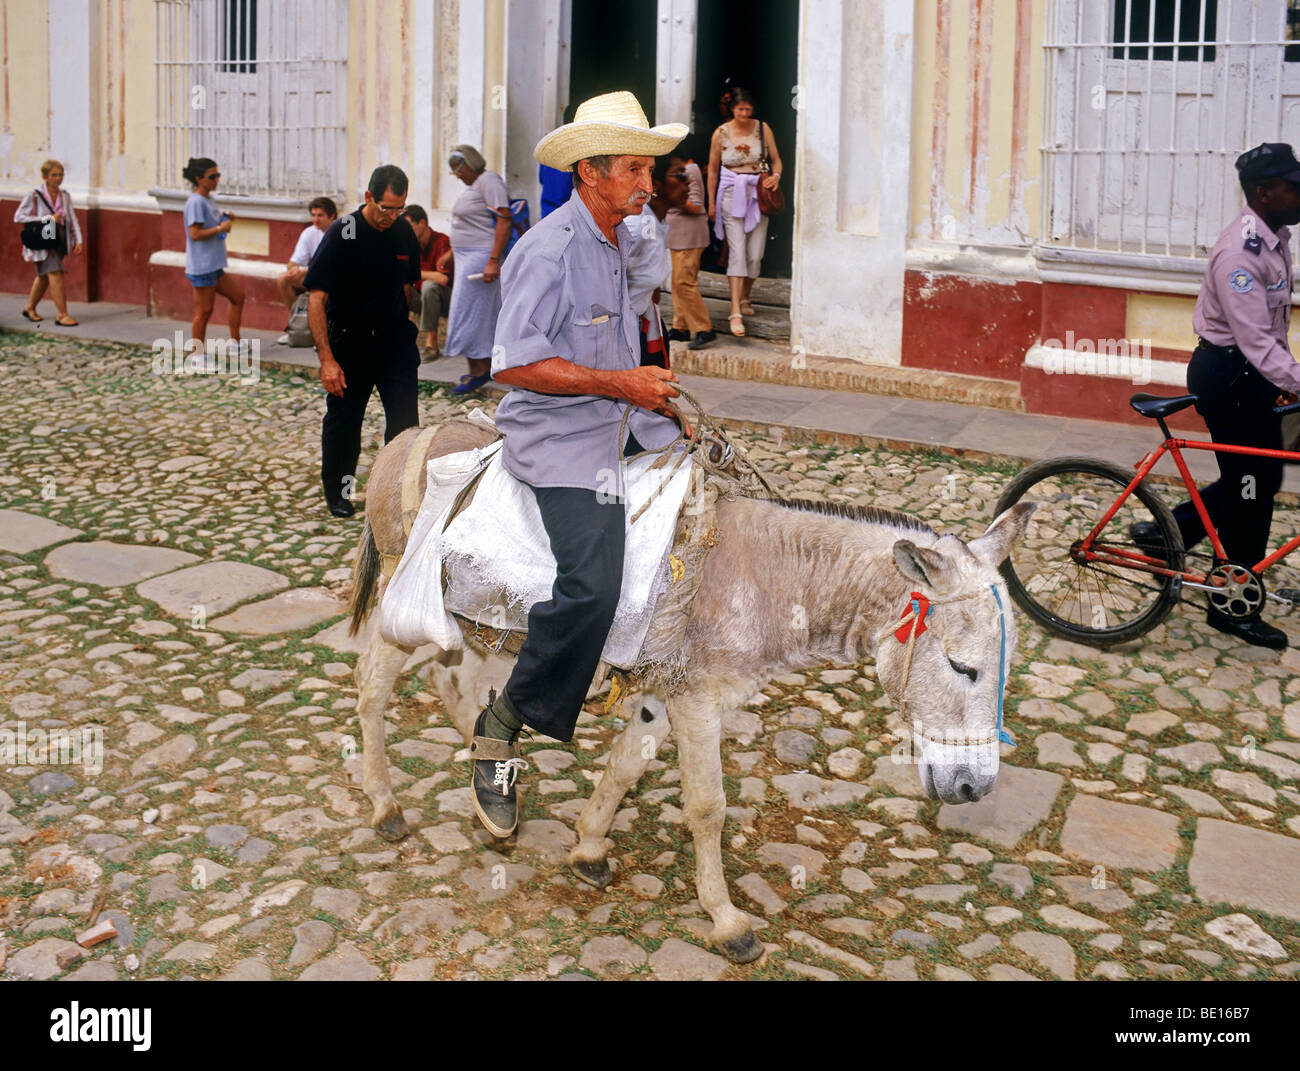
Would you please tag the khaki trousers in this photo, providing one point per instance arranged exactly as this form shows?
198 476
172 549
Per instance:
689 311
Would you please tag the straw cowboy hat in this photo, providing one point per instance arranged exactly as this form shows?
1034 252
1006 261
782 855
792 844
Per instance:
612 124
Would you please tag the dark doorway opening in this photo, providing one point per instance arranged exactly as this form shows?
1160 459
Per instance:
612 46
755 44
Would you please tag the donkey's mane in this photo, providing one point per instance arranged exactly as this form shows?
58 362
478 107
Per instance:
870 514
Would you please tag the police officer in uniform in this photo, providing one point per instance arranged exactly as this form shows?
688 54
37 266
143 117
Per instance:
1240 367
360 322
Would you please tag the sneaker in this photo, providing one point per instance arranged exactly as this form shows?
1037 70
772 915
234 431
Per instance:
283 340
701 339
677 335
495 766
1251 629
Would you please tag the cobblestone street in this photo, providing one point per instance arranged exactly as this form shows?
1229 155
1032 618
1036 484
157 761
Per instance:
169 577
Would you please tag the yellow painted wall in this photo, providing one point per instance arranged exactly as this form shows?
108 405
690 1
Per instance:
1164 319
982 35
25 92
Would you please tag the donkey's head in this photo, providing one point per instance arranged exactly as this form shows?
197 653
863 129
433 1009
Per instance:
950 694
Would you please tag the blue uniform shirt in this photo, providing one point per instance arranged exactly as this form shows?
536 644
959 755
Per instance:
564 294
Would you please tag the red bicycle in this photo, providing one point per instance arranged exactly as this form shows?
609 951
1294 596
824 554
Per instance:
1079 571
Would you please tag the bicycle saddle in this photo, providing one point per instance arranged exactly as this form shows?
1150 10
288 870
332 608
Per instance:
1152 405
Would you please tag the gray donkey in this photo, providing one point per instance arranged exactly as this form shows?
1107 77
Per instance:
787 586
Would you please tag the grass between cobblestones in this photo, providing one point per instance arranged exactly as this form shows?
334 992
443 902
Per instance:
229 471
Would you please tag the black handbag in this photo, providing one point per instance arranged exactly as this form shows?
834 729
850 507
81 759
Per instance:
36 232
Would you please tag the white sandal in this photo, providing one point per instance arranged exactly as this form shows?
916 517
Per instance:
737 324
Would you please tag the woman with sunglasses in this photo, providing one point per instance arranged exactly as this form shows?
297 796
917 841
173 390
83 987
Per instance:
206 227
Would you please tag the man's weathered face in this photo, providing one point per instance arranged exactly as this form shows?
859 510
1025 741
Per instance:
628 186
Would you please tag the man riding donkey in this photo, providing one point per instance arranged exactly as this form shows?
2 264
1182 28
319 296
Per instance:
567 343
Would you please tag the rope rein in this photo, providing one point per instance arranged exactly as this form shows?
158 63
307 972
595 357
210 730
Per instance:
732 462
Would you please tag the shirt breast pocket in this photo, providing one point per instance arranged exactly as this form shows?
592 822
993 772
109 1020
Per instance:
595 335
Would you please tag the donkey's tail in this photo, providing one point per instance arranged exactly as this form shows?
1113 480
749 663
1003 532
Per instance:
365 575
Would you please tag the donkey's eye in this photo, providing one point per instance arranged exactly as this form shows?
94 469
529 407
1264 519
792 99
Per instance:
966 671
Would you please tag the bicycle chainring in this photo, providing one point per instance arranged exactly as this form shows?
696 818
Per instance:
1240 592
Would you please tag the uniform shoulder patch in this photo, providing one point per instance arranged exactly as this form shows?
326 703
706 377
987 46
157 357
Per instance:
1240 280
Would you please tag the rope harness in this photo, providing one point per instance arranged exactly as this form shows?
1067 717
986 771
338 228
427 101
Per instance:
912 624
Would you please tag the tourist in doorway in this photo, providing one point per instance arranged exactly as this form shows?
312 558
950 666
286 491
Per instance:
50 204
480 230
206 227
688 237
743 153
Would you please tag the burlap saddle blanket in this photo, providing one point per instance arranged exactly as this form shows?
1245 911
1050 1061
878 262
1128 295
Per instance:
477 557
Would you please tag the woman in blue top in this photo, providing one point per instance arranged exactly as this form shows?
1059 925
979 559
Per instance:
205 250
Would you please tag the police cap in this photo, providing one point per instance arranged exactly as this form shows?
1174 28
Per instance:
1266 161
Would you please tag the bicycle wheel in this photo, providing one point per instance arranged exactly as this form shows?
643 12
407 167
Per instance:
1095 602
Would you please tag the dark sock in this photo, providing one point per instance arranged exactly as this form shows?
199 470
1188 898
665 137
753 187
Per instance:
502 721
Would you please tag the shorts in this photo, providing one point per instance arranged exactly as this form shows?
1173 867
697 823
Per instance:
50 263
207 279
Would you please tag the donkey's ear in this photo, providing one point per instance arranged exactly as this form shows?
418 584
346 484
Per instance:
927 567
995 544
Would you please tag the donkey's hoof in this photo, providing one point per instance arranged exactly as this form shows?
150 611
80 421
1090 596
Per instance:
393 827
596 874
743 949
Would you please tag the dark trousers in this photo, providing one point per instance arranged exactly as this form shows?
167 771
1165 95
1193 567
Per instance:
1237 405
567 634
389 365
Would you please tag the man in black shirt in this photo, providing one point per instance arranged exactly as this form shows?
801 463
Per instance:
359 320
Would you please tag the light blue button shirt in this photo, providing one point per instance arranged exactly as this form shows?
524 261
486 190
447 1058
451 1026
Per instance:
564 294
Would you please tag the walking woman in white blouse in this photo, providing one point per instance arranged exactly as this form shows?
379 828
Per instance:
50 202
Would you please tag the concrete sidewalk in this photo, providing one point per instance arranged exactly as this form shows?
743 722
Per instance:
802 413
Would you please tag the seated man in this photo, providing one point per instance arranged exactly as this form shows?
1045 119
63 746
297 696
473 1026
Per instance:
567 342
435 279
323 212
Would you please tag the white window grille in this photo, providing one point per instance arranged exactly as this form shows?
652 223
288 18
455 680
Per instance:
259 86
1153 101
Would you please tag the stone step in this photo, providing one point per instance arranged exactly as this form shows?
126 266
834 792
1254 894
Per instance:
765 292
767 322
752 360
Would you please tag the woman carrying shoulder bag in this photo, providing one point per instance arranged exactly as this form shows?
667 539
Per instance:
48 204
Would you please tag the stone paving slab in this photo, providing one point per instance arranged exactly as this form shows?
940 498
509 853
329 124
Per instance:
113 565
21 533
1022 800
1251 867
290 611
216 586
1119 835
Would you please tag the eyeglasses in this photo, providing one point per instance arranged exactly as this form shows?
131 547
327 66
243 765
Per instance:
391 210
213 175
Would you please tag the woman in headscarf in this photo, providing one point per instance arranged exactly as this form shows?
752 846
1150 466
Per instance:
480 230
